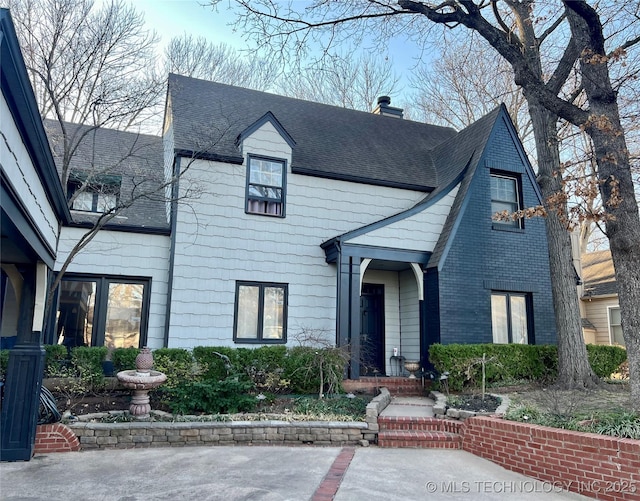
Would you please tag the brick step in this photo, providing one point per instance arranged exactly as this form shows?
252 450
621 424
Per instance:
405 423
419 439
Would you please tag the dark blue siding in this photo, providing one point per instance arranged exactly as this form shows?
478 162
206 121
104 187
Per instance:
481 258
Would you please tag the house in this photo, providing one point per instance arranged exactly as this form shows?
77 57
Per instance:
291 220
371 230
599 300
32 210
114 291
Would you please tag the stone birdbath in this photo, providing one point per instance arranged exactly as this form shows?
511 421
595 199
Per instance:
141 381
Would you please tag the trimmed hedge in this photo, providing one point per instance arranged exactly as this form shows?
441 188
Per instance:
509 363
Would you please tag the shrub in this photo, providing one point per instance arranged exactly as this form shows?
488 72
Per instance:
57 361
605 360
87 362
309 368
217 362
508 363
178 364
265 368
212 397
124 359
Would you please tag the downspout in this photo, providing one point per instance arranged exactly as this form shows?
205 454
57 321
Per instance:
175 190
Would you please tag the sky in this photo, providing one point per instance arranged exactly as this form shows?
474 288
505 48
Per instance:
173 18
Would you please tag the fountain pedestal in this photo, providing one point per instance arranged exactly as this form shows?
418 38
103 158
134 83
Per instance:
141 381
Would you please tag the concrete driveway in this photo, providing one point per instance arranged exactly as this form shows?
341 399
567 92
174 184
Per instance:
267 473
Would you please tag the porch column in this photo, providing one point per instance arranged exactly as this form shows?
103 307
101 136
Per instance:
348 314
24 378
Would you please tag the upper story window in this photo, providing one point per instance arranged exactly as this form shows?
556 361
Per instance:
265 186
98 195
505 196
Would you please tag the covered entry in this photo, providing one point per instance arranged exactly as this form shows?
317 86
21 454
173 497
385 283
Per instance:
379 297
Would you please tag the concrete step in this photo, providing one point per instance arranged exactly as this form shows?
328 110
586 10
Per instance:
419 439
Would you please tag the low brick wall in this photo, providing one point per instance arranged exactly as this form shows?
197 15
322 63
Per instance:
597 466
162 434
55 437
398 386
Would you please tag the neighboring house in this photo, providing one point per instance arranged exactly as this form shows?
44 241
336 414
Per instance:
32 209
599 300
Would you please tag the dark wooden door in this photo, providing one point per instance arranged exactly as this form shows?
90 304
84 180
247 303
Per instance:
372 330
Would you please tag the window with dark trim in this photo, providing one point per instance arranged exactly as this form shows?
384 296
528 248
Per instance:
505 196
98 194
260 313
510 318
266 185
102 311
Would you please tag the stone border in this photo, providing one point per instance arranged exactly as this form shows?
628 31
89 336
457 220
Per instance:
440 408
94 435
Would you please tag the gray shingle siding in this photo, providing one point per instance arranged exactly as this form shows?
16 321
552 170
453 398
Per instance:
480 258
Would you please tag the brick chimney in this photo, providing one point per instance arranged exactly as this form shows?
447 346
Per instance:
384 108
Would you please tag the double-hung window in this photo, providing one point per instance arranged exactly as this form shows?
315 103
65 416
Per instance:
100 194
260 313
505 196
615 326
266 179
509 318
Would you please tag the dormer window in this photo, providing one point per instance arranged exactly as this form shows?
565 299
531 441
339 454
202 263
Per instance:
265 186
100 194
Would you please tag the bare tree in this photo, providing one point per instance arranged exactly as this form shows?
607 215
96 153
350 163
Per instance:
350 82
200 58
510 28
89 65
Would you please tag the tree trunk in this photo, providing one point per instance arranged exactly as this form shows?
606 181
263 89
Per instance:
614 173
574 370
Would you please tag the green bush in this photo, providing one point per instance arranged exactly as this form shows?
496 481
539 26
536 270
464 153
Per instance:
178 364
338 405
124 359
509 363
212 397
87 362
56 361
265 368
605 360
305 365
217 362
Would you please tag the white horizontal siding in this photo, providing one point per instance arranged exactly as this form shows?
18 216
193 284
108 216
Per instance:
119 253
409 316
217 244
267 141
19 171
596 311
418 232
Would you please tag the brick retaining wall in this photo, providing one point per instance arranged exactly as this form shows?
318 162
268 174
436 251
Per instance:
598 466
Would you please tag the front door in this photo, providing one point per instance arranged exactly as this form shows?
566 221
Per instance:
372 330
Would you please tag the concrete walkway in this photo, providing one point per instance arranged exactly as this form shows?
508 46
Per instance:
267 473
272 473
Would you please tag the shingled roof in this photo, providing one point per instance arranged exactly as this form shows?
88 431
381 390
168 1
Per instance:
330 141
136 160
598 274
